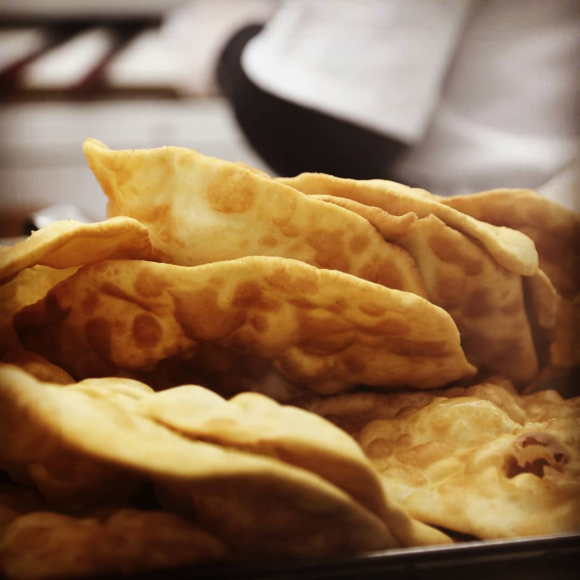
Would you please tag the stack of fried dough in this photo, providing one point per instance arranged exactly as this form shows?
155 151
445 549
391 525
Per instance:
235 368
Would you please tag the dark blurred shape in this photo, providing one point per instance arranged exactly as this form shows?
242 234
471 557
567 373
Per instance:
293 139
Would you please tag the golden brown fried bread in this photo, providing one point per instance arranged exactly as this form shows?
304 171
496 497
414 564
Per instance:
485 300
324 330
43 545
66 244
228 490
257 424
38 456
463 464
352 411
510 248
388 225
554 229
556 234
199 209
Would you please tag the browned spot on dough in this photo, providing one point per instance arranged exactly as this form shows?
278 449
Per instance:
353 364
329 249
39 327
232 191
146 330
90 302
371 309
217 281
449 289
202 319
164 223
390 326
268 241
244 243
447 250
380 448
285 227
327 343
112 290
98 332
250 295
312 328
338 306
149 285
159 216
478 303
298 283
259 322
359 243
385 273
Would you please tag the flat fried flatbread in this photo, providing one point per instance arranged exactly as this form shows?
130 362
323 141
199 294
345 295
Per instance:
512 249
556 234
485 300
66 244
228 490
554 229
254 423
463 464
324 330
200 209
41 459
352 411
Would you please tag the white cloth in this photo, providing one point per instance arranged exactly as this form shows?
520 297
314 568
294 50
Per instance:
484 91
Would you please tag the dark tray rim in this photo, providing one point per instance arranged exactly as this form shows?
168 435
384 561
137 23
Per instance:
395 563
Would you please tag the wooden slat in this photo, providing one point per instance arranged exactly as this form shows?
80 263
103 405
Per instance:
71 64
146 63
17 45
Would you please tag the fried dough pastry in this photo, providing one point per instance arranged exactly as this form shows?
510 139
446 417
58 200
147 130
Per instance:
254 423
43 545
227 490
463 464
510 248
199 210
352 411
66 244
388 225
36 456
28 286
556 234
485 300
323 329
554 228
